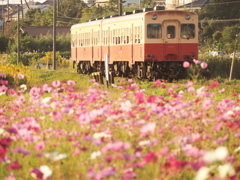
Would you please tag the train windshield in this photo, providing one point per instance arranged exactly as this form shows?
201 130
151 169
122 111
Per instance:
187 31
154 31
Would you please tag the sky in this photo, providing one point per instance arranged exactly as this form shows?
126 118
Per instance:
41 1
18 1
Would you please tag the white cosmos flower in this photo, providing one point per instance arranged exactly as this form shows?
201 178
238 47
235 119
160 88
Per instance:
202 174
2 93
126 106
46 100
226 170
55 156
101 135
219 154
24 87
1 131
237 149
237 108
47 172
95 154
143 143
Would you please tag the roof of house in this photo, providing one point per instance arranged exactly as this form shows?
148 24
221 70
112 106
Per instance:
45 30
195 4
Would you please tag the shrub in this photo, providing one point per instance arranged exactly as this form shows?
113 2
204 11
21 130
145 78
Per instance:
16 75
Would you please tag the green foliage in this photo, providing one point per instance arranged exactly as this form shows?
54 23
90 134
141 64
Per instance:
218 25
40 43
31 17
33 59
12 72
221 9
94 12
147 4
4 41
219 67
231 38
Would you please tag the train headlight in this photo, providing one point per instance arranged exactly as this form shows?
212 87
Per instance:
154 16
187 16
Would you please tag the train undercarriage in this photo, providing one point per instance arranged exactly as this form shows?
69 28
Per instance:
141 70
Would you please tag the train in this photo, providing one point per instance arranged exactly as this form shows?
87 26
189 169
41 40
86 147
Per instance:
150 44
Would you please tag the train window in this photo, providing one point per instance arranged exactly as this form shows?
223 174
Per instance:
154 31
187 31
171 31
122 36
139 33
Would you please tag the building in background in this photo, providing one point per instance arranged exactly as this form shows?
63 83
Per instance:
194 5
173 4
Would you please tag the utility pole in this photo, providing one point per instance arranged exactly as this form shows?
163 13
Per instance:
233 59
8 10
18 35
120 7
2 19
54 35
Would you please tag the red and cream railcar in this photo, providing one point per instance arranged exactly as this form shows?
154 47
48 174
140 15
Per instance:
152 44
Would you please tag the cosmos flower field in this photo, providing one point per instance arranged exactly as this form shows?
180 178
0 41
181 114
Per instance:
54 132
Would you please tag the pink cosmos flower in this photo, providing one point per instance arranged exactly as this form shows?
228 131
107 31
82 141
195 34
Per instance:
3 82
191 90
14 165
213 84
3 89
186 64
139 97
56 83
130 80
3 151
203 65
57 116
37 174
5 142
3 75
197 61
128 174
20 76
21 150
76 152
42 173
150 157
157 82
10 177
71 82
148 128
188 84
40 146
12 92
221 91
117 146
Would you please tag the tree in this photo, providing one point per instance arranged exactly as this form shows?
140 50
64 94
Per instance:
92 13
4 43
215 21
221 9
231 38
147 4
70 11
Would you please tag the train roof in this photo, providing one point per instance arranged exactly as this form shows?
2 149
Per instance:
125 17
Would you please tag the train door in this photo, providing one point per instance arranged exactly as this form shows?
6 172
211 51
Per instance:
170 39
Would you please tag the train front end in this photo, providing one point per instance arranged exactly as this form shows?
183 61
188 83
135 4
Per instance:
171 37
